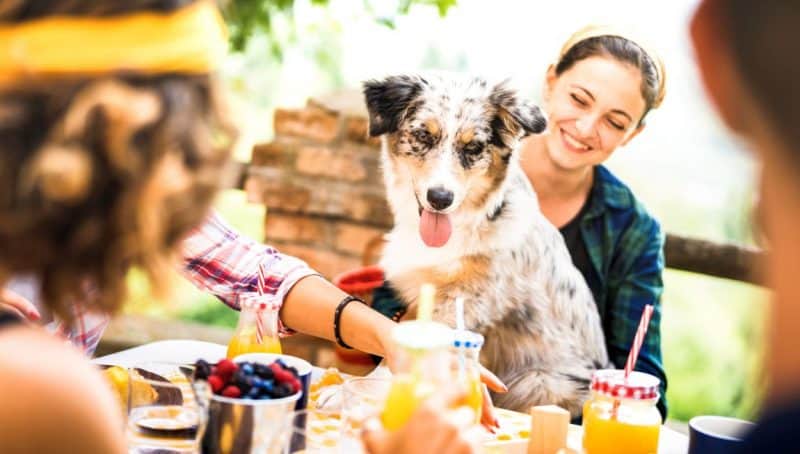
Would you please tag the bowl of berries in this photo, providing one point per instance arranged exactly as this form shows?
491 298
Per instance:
250 404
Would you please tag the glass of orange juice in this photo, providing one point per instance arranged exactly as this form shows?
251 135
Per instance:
621 416
257 329
423 367
465 366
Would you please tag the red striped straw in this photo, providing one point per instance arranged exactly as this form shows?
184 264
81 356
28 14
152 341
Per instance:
262 285
633 355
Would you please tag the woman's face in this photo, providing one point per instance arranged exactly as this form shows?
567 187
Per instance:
593 108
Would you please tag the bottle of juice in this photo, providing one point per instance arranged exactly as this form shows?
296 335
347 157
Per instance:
422 369
257 330
465 363
621 416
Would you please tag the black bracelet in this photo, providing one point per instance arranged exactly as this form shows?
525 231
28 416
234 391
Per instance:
337 319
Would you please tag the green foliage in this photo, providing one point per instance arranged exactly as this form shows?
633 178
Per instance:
247 18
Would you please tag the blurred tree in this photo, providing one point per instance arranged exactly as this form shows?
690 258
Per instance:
248 17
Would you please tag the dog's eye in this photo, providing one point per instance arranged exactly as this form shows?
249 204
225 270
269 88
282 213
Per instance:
424 136
473 148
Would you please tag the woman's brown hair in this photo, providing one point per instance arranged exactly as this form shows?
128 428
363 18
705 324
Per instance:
100 174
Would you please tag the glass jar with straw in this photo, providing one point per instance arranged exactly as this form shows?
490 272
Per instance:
421 369
621 416
465 361
257 329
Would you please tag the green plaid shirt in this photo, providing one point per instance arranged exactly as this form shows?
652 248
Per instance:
625 247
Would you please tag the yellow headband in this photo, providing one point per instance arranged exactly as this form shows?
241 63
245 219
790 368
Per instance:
189 40
594 31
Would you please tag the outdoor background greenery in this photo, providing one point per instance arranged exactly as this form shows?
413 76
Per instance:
693 176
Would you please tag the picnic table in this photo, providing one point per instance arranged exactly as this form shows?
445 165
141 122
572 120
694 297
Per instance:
187 351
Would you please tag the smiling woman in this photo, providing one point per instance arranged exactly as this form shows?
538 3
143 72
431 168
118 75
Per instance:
596 96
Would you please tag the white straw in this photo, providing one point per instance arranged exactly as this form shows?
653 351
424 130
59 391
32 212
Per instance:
460 313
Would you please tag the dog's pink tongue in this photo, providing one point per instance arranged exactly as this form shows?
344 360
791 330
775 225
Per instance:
434 228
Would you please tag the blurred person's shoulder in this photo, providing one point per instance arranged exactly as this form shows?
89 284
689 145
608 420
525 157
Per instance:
54 399
776 431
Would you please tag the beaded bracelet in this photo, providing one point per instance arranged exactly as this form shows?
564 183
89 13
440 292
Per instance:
337 319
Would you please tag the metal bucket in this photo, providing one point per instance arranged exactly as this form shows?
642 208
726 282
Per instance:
244 426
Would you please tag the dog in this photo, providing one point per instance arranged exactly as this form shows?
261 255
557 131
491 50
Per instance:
467 220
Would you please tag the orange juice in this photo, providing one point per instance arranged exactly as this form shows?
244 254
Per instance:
465 363
257 312
405 395
621 417
604 434
474 398
423 368
246 342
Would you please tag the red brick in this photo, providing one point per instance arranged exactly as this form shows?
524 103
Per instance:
272 154
343 163
354 239
301 229
328 263
356 129
312 123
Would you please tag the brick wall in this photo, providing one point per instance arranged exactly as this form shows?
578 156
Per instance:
320 181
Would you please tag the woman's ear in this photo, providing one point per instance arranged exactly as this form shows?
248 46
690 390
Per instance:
549 82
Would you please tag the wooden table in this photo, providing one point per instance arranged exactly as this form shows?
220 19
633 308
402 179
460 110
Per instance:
187 351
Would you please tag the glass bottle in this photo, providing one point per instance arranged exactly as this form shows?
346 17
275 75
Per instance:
257 329
621 416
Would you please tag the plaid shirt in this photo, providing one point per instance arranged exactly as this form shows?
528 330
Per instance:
218 260
625 247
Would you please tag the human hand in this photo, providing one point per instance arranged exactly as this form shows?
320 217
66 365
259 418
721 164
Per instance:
11 302
434 427
490 380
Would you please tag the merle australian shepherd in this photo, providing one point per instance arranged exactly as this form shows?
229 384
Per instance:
467 220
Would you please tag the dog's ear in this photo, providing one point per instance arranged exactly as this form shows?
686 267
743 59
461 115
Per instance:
514 115
387 101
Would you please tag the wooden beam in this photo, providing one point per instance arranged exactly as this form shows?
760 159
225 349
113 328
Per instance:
727 261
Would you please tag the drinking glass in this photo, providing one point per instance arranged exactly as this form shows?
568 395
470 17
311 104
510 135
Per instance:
163 414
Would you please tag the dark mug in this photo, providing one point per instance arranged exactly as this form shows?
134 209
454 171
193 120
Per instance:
716 434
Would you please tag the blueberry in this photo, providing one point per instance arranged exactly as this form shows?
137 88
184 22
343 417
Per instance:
254 393
247 368
267 385
201 370
282 390
280 361
239 377
263 371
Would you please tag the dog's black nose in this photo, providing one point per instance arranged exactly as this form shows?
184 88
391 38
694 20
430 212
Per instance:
440 198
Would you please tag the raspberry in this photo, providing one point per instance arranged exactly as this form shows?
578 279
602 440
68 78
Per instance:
296 385
216 383
282 375
232 392
226 368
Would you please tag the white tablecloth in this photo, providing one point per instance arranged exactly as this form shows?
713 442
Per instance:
188 351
